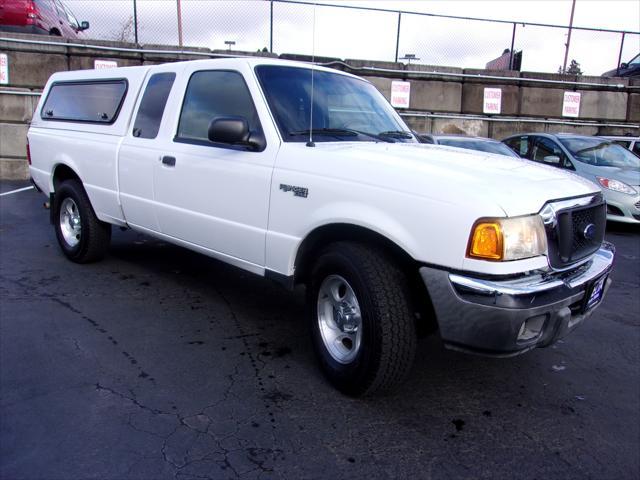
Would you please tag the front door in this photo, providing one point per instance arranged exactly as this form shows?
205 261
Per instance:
215 196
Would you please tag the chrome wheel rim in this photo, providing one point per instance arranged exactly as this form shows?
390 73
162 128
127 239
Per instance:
70 223
339 319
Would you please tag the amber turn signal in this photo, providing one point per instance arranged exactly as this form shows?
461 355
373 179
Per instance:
486 241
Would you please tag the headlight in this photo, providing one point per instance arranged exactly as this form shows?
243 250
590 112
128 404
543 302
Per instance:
616 185
502 239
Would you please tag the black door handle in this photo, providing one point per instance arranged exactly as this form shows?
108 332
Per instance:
169 161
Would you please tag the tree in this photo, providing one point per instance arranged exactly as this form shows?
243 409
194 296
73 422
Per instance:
124 33
574 68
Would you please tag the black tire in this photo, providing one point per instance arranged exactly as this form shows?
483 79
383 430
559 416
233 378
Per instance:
388 343
94 237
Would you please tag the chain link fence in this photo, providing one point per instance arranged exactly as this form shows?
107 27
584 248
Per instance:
343 31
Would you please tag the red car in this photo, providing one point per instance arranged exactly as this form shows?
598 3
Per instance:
48 17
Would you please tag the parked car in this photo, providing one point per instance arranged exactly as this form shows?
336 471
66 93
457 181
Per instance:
307 175
481 144
612 167
626 69
628 142
47 17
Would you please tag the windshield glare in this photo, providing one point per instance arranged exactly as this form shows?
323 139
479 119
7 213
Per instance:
344 108
600 153
480 145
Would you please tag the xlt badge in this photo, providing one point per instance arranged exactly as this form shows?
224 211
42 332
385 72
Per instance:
297 191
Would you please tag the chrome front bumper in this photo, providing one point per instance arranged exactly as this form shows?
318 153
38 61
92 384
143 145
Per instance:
487 316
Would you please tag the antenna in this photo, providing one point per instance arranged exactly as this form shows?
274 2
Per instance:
313 64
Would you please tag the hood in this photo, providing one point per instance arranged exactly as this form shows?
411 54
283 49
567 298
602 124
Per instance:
448 174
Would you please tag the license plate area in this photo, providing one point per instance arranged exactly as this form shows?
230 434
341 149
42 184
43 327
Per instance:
594 293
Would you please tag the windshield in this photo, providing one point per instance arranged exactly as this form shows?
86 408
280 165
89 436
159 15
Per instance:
601 153
344 108
478 144
635 60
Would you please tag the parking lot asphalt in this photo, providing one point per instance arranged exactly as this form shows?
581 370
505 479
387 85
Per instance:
161 363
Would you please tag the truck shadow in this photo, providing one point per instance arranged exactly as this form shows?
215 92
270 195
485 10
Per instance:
276 318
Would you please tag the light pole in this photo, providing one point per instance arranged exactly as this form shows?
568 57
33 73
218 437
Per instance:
566 51
135 21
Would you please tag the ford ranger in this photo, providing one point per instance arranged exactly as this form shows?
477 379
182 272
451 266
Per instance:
306 175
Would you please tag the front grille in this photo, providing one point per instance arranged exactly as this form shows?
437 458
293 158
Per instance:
576 233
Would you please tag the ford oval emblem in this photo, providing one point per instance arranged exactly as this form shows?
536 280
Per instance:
589 232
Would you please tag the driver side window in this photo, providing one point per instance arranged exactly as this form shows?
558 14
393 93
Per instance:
210 94
545 147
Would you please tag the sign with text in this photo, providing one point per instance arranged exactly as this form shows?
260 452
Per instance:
100 64
492 101
400 94
4 69
571 104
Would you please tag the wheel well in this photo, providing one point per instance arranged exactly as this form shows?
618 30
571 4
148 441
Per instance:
325 235
62 173
55 31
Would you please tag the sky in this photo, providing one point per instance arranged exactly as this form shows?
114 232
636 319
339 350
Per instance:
346 33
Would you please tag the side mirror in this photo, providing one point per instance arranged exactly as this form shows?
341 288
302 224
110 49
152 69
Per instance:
624 65
84 25
232 130
552 159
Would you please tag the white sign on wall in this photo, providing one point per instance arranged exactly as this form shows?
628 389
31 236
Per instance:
4 69
571 104
400 94
492 101
100 64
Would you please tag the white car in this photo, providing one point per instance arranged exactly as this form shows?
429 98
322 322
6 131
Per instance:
308 175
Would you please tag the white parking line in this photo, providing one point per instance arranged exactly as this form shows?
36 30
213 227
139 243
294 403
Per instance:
15 191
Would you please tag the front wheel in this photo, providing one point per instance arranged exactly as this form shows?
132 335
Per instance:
361 319
81 236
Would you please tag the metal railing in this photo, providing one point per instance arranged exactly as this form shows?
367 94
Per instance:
286 26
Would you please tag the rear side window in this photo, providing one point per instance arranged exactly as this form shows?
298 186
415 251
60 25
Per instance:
210 94
92 102
152 105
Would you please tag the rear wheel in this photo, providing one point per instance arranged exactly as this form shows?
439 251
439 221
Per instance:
361 321
81 236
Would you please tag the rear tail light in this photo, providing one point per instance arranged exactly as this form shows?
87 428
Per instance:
32 11
28 153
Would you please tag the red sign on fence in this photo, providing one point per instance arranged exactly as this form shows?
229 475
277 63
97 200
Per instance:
4 69
400 94
571 104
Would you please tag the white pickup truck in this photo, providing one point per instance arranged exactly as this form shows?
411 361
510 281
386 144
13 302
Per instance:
307 175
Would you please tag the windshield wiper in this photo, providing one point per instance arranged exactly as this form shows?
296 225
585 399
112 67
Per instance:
594 148
339 132
396 134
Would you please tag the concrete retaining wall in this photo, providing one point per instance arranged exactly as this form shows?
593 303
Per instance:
537 105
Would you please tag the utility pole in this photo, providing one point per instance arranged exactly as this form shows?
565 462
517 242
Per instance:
135 21
566 52
180 23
